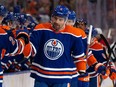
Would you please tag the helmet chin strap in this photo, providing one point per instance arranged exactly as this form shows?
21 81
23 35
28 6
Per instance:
1 20
74 22
64 22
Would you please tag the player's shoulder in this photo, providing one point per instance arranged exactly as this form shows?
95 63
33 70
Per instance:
42 26
96 44
82 31
2 31
5 27
72 30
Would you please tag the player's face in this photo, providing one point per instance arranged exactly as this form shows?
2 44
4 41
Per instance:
58 22
82 26
12 24
1 19
70 22
92 40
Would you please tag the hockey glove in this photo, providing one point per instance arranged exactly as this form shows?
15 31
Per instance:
112 73
23 34
100 68
106 74
27 50
83 80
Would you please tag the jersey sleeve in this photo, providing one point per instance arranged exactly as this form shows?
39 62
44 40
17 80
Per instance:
35 41
11 45
78 48
78 55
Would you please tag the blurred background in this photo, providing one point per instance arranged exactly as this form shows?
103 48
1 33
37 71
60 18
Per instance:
99 13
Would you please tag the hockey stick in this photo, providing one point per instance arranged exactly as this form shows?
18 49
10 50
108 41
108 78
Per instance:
89 40
21 62
108 46
25 59
109 52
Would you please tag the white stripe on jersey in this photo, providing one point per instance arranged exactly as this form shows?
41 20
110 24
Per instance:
81 55
54 69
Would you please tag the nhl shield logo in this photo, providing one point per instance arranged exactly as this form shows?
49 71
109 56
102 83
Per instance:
53 49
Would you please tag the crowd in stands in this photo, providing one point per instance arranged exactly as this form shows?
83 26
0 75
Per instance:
42 9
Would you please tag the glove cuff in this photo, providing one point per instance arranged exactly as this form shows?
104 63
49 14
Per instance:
106 75
97 66
84 77
23 36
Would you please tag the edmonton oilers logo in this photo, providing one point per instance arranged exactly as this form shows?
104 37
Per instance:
53 49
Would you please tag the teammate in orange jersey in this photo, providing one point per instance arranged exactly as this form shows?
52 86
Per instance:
92 67
91 60
80 82
98 51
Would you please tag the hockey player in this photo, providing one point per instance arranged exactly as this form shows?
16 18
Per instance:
71 21
56 44
71 18
83 80
99 52
8 45
15 63
82 24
